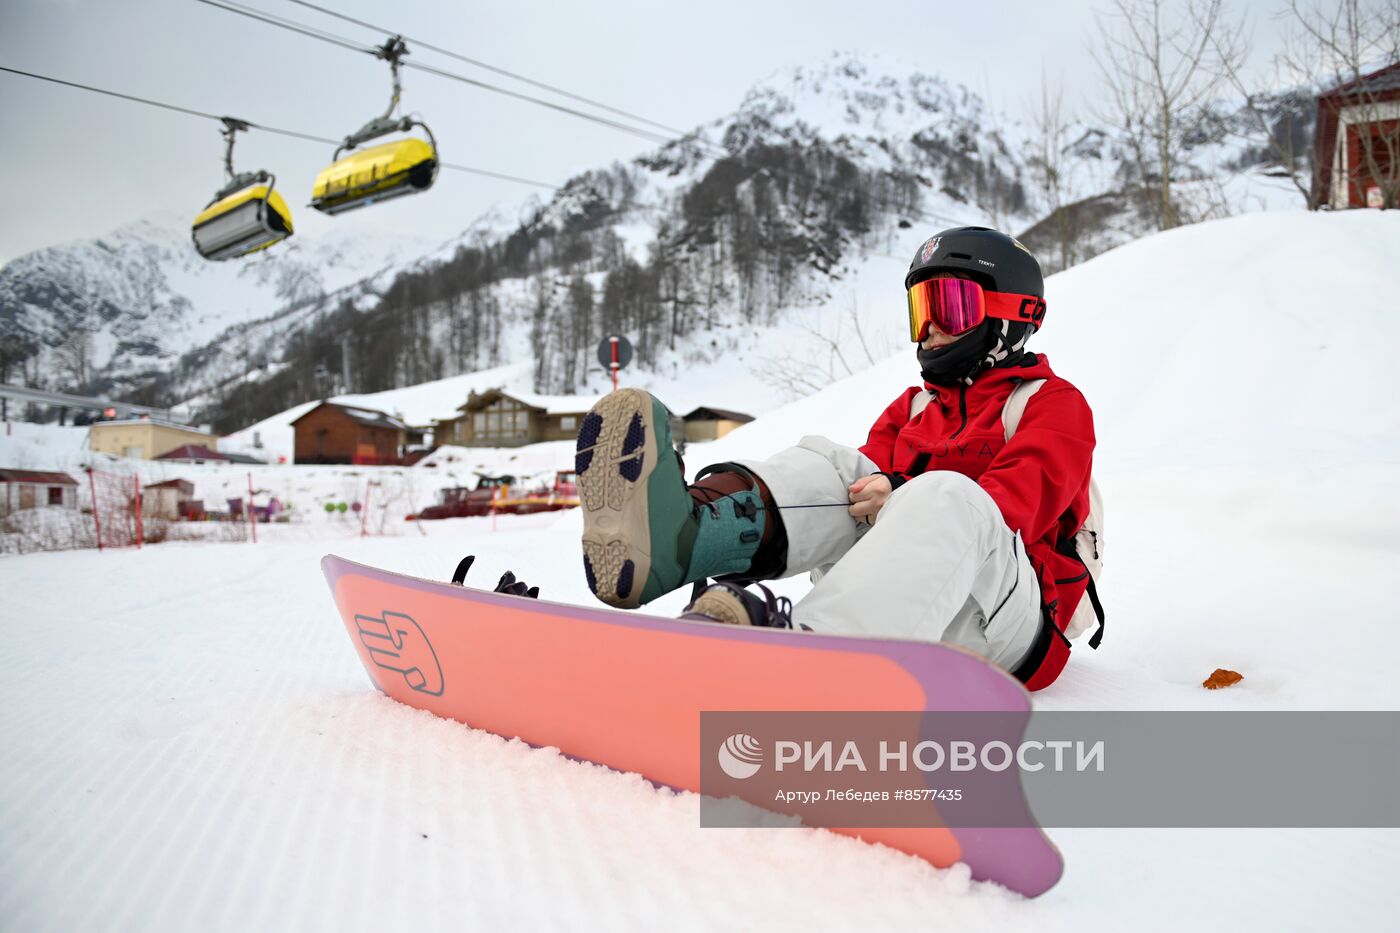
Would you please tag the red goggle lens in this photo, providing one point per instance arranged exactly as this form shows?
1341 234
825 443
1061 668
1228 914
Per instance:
954 305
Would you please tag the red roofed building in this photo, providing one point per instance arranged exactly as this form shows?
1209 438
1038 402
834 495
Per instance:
169 500
193 453
30 489
1358 143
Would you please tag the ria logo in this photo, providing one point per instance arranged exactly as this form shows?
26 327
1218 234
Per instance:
930 247
740 756
397 643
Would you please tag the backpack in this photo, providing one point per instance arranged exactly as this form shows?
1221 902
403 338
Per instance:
1087 544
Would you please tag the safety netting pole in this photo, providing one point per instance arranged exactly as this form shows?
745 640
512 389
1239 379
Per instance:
364 509
252 517
136 498
96 509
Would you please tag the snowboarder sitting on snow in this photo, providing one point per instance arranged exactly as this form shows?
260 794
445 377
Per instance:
952 531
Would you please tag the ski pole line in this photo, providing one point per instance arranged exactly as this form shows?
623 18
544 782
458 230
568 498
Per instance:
294 134
282 22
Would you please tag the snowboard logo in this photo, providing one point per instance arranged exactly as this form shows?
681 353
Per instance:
397 643
740 756
930 247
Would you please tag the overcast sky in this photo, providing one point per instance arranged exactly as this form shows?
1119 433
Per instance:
76 165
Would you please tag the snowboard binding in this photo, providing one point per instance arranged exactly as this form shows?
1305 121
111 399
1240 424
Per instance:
507 584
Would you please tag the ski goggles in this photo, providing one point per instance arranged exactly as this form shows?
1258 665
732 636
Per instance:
956 306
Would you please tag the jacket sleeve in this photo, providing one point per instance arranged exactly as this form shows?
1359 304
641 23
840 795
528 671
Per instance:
1045 465
879 446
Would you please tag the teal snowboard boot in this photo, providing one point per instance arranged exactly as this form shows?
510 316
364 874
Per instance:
644 533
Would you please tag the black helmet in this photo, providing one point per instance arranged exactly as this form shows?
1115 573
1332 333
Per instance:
994 259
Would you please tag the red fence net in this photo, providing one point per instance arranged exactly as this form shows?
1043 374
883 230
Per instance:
116 508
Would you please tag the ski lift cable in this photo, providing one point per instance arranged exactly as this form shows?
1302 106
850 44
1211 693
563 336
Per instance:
324 36
294 134
492 68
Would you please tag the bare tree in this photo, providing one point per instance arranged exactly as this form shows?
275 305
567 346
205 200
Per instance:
1162 66
798 376
1052 167
1286 143
1339 43
74 356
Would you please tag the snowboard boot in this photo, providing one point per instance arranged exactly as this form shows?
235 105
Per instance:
733 605
645 532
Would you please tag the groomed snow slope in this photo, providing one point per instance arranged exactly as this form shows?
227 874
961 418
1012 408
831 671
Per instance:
193 744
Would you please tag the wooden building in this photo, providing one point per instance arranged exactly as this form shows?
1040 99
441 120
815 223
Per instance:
1358 143
169 500
31 489
145 438
336 433
496 418
709 424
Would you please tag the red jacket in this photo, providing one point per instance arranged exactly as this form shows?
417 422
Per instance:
1039 480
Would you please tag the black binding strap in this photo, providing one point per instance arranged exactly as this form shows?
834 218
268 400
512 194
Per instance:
1097 638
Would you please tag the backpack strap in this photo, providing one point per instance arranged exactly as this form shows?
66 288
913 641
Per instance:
1015 405
919 402
1011 414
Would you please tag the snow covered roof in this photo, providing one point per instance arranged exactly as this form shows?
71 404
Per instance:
1376 82
188 428
37 478
549 404
706 413
366 416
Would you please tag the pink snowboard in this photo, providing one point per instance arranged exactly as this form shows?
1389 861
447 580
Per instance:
625 690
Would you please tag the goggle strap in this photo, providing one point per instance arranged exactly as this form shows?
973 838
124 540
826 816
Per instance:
1009 306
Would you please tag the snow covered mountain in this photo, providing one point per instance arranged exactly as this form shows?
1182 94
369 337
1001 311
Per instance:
118 311
799 208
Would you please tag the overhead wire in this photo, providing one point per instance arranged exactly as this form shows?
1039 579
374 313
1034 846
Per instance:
324 36
279 131
492 68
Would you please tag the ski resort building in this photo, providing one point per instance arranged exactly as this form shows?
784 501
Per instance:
145 438
29 489
710 424
1358 143
169 500
335 433
496 418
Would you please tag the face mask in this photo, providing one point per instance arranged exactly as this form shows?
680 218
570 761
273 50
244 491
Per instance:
957 362
993 344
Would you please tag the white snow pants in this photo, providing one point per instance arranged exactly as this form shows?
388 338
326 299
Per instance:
938 564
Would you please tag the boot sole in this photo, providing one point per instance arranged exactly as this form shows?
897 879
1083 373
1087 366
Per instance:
615 456
720 607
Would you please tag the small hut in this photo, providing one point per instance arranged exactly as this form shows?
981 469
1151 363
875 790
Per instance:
169 500
710 424
31 489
